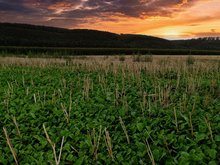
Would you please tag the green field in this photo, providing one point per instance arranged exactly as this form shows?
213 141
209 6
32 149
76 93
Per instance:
105 110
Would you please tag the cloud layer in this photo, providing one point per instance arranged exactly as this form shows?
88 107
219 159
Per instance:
79 11
99 14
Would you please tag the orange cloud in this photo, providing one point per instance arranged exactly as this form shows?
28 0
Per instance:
60 5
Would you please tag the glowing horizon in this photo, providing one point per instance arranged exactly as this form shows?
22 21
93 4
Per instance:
180 19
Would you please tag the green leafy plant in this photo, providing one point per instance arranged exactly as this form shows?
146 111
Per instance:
95 112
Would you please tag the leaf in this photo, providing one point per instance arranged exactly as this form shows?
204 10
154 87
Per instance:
156 154
33 115
212 153
3 161
169 161
122 111
79 161
67 147
140 126
200 136
42 140
185 117
70 157
212 163
184 156
141 146
109 96
217 138
202 128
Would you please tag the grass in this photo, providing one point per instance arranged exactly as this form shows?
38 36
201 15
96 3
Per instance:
101 110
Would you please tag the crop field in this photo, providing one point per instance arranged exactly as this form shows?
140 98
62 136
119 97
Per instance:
110 110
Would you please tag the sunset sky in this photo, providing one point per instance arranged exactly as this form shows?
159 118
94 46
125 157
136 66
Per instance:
171 19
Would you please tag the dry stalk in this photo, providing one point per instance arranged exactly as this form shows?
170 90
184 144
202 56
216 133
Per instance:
165 96
176 120
210 129
116 96
178 81
86 87
60 93
61 148
184 102
32 82
159 94
92 138
108 144
64 82
16 125
144 100
10 145
74 149
194 104
10 86
124 129
96 143
70 104
149 106
180 105
149 152
27 91
144 103
45 93
35 100
190 123
66 114
125 103
167 146
53 145
39 97
23 81
6 102
99 138
54 96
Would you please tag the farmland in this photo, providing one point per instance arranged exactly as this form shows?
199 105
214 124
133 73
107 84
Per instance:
110 110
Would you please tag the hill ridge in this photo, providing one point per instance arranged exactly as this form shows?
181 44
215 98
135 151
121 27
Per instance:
15 34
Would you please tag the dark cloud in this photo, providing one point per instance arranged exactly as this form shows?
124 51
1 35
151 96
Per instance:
132 8
14 6
66 12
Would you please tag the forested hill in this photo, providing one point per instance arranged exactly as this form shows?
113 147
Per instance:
42 36
31 35
207 43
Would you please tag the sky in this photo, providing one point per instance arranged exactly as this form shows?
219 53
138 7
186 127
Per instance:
170 19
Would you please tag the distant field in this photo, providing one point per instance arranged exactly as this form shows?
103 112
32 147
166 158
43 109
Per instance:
60 52
152 60
110 110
